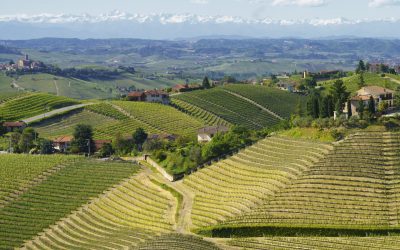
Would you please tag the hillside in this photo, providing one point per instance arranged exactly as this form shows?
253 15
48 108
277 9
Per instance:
61 192
352 82
240 183
352 190
254 107
31 105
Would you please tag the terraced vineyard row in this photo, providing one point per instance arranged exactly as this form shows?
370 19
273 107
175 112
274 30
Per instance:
240 183
356 186
65 125
54 198
229 107
108 110
208 117
177 242
318 243
18 171
5 97
125 127
131 212
278 101
162 118
32 105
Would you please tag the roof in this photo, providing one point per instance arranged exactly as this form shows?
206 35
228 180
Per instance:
181 86
375 90
361 98
155 92
136 94
63 139
213 130
14 124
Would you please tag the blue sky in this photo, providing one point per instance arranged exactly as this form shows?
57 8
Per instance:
275 9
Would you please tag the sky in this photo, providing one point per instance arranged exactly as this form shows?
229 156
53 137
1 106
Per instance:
275 9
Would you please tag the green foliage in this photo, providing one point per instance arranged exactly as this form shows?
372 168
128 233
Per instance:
206 83
139 137
106 150
27 140
339 95
83 138
361 67
45 147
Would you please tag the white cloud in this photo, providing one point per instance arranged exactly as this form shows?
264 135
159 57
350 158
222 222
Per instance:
382 3
302 3
199 1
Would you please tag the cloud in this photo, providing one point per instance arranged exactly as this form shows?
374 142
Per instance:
199 1
301 3
383 3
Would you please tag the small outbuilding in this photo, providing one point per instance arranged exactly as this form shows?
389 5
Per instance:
14 126
62 143
207 133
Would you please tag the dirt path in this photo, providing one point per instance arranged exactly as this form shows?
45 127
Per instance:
56 86
184 222
254 103
393 80
15 85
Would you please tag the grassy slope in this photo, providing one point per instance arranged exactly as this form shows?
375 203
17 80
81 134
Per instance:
5 84
64 125
370 79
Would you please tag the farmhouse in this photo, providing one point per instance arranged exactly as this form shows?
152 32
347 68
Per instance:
364 95
207 133
181 88
286 86
14 126
149 96
62 143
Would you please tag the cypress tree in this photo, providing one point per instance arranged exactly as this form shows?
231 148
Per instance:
371 106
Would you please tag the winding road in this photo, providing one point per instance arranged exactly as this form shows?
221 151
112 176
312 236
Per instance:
54 112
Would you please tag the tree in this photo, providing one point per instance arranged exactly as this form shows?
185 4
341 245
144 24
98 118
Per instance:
382 107
361 67
46 147
313 105
324 108
349 111
339 95
106 150
299 108
139 137
206 83
361 108
361 81
26 141
83 138
371 106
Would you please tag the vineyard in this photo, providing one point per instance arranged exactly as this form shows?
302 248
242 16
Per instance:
108 110
240 183
208 117
161 118
317 243
229 107
280 102
129 213
64 125
177 242
31 105
63 191
344 193
21 171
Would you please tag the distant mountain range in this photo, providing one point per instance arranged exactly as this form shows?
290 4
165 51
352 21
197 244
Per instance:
119 24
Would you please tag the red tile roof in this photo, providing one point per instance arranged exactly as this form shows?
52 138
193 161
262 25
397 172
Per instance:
136 94
63 139
14 124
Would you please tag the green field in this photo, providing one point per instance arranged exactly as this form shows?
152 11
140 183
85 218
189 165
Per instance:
57 196
240 183
32 105
352 82
125 216
64 125
352 190
229 107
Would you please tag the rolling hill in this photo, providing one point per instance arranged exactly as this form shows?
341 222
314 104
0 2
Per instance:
254 107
